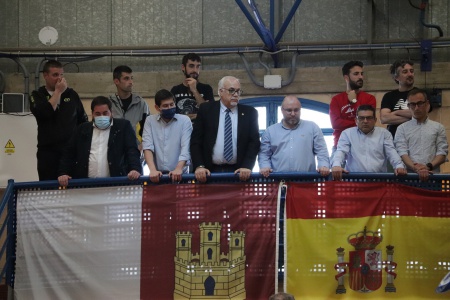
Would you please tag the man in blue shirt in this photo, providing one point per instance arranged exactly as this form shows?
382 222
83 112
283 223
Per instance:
166 138
293 144
366 148
421 142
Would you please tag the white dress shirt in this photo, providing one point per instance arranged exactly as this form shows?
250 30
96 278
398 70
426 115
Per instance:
98 156
217 156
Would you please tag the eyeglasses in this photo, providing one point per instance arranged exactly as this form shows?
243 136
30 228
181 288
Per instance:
233 91
369 118
289 111
418 104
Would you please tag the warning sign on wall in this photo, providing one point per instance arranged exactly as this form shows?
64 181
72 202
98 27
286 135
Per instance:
9 147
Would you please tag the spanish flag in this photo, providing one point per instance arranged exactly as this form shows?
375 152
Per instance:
359 240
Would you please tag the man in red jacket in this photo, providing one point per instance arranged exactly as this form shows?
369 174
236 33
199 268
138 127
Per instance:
343 106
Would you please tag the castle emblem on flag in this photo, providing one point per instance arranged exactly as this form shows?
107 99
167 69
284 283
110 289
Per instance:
210 273
365 265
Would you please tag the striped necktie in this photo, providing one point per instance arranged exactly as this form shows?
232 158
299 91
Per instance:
228 137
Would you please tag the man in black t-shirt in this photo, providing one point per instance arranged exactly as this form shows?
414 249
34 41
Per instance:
394 110
191 93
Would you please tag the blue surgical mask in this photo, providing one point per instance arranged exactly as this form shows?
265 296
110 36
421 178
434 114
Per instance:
168 113
102 122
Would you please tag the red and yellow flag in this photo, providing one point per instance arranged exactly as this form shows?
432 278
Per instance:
349 240
215 240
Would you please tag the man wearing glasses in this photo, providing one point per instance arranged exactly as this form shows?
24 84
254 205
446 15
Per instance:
366 148
293 144
421 142
225 137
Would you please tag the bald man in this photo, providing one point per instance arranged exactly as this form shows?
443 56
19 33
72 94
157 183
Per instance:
293 144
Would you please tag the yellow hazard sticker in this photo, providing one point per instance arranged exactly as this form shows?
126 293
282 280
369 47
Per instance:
9 147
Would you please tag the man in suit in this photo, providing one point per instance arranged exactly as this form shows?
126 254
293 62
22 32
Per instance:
217 145
105 147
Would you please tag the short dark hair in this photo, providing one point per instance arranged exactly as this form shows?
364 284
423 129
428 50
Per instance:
418 91
51 64
100 100
365 107
190 56
163 95
346 68
393 69
121 69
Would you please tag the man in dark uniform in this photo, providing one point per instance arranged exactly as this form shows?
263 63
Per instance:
58 111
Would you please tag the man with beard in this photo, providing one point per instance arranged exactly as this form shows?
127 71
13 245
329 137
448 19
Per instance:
394 105
365 148
128 105
105 147
293 144
343 106
191 93
225 137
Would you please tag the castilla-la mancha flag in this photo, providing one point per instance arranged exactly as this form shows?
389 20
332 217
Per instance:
351 240
172 241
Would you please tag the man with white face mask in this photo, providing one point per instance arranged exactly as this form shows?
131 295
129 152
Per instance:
105 147
166 138
225 137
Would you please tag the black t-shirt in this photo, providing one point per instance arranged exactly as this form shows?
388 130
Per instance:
126 103
185 100
395 100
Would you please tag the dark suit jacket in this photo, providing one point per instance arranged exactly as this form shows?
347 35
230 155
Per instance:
204 135
123 153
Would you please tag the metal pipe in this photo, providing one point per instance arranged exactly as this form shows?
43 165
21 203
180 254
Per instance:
26 79
250 18
283 47
37 73
287 21
249 71
293 70
423 5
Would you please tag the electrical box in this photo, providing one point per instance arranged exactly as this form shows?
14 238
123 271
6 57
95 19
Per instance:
13 103
272 81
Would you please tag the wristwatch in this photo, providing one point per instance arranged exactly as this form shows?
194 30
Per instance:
429 166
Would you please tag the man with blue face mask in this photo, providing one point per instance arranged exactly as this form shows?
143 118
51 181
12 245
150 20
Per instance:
165 139
105 147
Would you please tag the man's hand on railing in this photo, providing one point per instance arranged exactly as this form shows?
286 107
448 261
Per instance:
337 173
400 171
324 171
133 175
64 180
244 173
201 172
265 172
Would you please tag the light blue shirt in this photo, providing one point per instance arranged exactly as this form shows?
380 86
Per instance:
169 141
293 150
366 152
217 156
421 141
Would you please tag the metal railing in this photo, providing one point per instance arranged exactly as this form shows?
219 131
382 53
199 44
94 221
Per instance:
437 182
